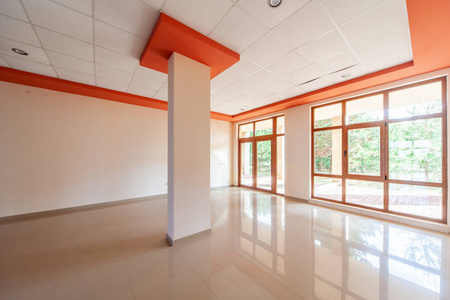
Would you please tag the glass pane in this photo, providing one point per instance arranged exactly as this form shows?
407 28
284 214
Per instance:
328 152
423 201
264 165
280 165
420 100
415 150
364 110
328 188
280 125
264 127
367 193
327 116
247 164
364 151
246 130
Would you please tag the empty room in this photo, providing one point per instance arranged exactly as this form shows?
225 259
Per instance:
224 149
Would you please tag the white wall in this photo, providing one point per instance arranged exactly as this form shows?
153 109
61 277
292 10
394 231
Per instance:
60 150
221 153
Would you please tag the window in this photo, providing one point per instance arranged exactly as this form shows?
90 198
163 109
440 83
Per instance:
385 151
261 155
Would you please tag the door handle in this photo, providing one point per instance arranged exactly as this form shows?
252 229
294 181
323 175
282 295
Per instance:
345 152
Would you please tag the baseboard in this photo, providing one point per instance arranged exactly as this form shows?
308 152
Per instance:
69 210
171 242
296 199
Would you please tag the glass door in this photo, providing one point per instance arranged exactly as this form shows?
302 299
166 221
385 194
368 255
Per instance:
246 165
364 185
264 164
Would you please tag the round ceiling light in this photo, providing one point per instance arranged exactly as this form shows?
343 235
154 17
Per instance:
274 3
345 75
242 109
19 51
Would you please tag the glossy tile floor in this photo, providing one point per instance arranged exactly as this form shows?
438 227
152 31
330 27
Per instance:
261 247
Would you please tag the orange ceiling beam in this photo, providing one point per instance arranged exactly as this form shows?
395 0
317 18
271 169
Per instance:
55 84
429 25
171 36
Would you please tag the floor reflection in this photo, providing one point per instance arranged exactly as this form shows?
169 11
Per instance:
324 254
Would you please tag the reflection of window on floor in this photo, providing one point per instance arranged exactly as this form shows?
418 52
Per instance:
399 263
262 230
384 151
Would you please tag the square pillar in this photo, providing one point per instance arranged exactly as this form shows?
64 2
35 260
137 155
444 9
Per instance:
189 148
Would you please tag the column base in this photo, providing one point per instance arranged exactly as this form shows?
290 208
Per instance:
171 242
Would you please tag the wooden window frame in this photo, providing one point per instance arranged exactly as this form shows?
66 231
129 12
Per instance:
384 151
254 139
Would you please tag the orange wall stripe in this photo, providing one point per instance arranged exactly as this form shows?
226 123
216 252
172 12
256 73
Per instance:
55 84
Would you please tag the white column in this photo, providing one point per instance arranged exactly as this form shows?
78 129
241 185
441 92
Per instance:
188 209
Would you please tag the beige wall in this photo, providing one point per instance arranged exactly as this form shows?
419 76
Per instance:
60 150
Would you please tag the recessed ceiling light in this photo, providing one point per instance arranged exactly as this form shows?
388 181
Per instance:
242 109
345 75
19 51
274 3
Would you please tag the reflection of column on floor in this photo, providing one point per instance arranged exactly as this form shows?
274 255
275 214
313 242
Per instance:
336 149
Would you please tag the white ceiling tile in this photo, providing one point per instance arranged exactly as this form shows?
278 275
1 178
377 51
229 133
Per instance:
383 18
62 19
347 74
111 85
160 96
84 6
240 87
158 4
115 60
3 63
66 45
237 30
278 86
141 91
225 94
223 80
214 89
242 68
257 93
269 99
30 66
243 99
200 15
291 92
132 15
391 59
220 110
388 42
146 83
117 40
227 105
337 62
35 54
344 10
287 64
306 74
164 89
75 76
71 63
306 24
17 30
113 74
149 73
266 49
14 9
316 84
269 16
325 46
216 101
261 77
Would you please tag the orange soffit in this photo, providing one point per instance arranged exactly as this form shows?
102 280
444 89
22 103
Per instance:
170 36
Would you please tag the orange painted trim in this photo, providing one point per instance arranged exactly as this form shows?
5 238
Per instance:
430 40
171 36
65 86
